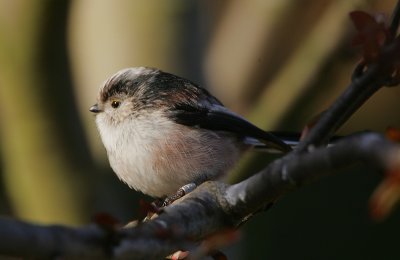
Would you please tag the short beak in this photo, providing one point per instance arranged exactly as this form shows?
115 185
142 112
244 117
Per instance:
95 109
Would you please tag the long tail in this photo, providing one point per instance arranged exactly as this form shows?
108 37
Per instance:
292 139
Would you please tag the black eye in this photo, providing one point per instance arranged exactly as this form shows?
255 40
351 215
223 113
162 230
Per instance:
115 103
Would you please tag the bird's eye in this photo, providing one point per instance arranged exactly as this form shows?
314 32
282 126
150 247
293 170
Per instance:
115 103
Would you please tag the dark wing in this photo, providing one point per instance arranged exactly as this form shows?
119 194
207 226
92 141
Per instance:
217 117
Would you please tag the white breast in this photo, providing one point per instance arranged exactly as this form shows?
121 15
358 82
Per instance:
157 156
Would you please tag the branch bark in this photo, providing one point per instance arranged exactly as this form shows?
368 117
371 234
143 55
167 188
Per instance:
212 207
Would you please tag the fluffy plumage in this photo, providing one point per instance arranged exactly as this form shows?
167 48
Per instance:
162 131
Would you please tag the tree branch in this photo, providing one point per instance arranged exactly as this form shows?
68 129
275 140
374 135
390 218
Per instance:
213 206
395 19
366 80
23 239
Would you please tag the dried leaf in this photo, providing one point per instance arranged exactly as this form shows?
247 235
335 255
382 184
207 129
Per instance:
372 34
147 209
106 221
178 255
393 134
386 196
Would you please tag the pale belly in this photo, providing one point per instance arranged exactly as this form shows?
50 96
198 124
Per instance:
159 159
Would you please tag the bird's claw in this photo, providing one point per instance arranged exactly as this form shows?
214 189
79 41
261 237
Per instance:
179 194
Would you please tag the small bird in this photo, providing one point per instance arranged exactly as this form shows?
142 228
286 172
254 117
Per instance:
162 132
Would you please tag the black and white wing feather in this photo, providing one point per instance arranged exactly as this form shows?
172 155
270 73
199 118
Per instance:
214 116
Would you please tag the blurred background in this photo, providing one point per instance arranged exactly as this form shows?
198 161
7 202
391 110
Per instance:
279 63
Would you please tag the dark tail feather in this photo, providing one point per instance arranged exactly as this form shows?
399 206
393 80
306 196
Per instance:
290 139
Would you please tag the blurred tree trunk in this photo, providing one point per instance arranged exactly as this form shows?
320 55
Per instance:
41 137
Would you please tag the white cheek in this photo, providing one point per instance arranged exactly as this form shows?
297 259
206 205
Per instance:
107 131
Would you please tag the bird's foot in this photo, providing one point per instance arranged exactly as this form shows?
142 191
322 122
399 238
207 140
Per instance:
179 194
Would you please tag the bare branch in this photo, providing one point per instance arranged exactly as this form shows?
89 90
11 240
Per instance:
23 239
212 207
296 170
366 80
394 25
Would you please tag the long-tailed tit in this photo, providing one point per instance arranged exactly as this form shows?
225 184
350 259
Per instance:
162 132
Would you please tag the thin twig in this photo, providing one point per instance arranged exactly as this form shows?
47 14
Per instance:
366 80
359 91
395 20
298 169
